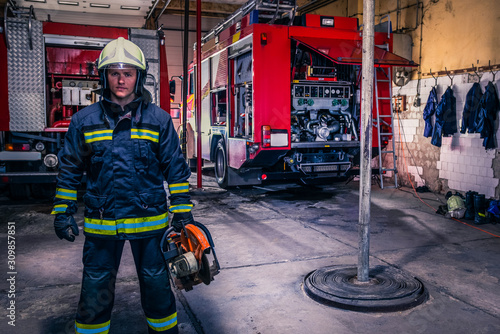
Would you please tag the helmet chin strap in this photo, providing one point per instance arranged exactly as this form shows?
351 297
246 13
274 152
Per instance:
138 85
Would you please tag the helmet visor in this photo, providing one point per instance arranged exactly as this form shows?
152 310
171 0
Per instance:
121 66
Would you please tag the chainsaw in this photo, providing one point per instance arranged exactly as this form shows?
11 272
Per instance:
190 255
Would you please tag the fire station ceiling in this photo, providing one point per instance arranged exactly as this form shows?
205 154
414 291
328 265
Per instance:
130 13
140 8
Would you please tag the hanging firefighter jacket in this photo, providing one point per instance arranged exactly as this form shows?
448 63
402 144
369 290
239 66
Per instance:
430 109
471 108
487 114
446 117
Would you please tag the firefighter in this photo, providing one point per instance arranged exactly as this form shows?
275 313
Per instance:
128 147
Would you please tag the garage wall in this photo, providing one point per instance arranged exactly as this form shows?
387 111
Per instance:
174 39
455 34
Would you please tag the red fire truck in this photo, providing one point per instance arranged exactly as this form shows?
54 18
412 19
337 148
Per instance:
47 74
280 95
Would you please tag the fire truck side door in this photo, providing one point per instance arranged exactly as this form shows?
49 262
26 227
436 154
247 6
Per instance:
205 123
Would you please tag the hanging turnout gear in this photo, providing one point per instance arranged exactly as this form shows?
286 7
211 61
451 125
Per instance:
429 110
487 114
446 117
471 106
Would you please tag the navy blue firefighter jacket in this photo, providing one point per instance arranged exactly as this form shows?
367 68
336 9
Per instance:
126 160
471 108
429 110
446 117
487 114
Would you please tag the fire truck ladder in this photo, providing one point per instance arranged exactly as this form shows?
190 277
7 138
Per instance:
268 11
385 155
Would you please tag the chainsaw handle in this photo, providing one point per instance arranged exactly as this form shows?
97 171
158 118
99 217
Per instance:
164 237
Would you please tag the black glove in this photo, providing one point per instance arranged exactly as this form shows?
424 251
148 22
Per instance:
181 219
66 227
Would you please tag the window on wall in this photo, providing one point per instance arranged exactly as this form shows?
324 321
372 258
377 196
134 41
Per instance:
219 107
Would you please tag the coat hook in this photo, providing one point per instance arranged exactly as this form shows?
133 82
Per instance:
475 71
491 70
448 74
435 78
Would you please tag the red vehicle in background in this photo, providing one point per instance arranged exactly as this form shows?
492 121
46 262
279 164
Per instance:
48 74
281 96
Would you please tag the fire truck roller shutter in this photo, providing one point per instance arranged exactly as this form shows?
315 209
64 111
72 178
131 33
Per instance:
350 52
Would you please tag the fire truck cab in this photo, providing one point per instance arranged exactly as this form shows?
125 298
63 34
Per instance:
280 95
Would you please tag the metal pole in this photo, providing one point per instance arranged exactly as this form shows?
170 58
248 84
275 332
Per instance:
198 93
185 78
366 139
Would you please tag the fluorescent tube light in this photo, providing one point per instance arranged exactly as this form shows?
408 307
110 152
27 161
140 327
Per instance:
69 3
130 7
99 5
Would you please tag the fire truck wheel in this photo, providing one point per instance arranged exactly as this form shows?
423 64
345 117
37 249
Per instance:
19 191
221 164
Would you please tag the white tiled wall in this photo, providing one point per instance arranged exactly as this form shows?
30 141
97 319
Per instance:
464 163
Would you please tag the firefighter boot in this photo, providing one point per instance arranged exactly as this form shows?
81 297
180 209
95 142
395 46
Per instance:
469 204
480 209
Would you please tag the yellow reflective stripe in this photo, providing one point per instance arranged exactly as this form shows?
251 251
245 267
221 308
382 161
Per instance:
177 188
92 329
159 325
98 135
66 194
236 37
59 208
180 208
144 134
126 225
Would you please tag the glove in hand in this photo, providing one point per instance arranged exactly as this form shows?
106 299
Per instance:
65 227
180 219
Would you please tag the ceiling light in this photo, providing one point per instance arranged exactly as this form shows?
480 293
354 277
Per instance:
44 1
69 3
99 5
130 7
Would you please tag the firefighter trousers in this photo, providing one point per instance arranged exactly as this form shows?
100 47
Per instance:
101 259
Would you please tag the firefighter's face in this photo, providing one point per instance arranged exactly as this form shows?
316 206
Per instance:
122 84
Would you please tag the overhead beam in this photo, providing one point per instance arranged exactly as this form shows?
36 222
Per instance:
208 9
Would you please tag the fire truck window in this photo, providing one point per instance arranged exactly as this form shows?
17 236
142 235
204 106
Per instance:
191 83
219 107
242 118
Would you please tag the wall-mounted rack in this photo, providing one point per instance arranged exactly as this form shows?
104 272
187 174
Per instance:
473 70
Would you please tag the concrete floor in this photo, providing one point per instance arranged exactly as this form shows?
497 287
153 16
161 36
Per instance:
267 239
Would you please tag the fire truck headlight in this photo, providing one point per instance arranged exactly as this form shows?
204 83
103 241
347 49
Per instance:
39 146
50 160
327 22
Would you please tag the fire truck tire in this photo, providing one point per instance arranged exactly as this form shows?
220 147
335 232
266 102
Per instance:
221 172
19 191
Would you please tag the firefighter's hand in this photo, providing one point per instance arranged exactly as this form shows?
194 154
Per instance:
65 227
181 219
